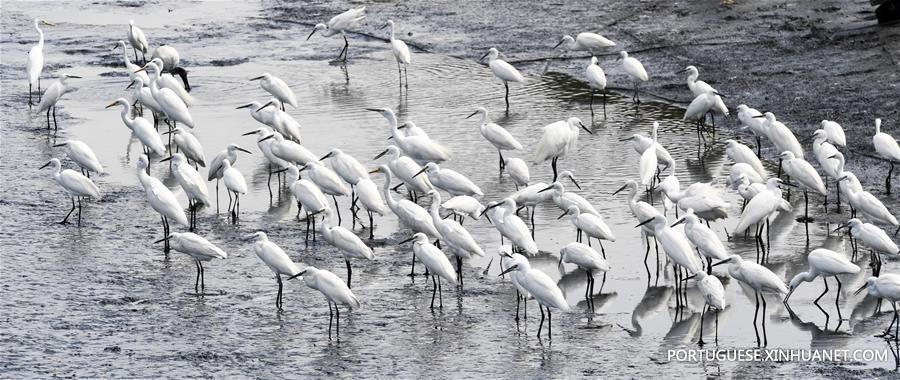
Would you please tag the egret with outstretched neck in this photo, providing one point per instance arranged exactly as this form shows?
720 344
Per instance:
35 64
458 240
341 23
401 53
198 249
823 263
161 199
52 96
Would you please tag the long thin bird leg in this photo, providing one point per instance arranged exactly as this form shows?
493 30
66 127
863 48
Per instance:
66 219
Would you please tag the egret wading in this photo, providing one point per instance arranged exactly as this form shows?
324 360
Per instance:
703 238
760 279
35 64
401 54
498 136
873 237
635 70
503 71
588 260
642 211
585 41
350 245
591 225
52 96
597 82
161 199
138 41
458 240
511 226
277 88
276 259
234 183
341 23
173 107
678 249
886 286
823 263
192 183
806 175
142 129
308 197
217 166
75 184
557 140
713 296
335 291
83 155
544 290
886 147
749 119
187 144
198 249
435 261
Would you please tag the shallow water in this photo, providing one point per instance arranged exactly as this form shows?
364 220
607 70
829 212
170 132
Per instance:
100 300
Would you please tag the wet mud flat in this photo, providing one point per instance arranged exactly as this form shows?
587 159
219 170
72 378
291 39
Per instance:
100 300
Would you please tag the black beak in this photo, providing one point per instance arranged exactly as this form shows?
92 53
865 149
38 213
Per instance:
244 150
840 227
721 262
249 133
130 85
585 128
563 214
296 275
420 172
510 269
381 154
620 189
266 138
559 43
627 138
679 221
411 238
482 212
575 182
161 240
690 277
45 165
681 71
258 78
861 288
483 56
644 222
166 159
311 34
545 189
472 114
264 106
248 105
326 156
759 116
59 145
373 109
282 171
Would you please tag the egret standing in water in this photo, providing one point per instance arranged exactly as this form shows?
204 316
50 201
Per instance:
597 82
760 279
804 173
459 241
234 183
83 155
543 289
875 238
335 291
142 128
498 136
713 296
401 53
588 260
52 96
642 211
586 41
748 117
699 87
677 248
702 237
217 167
341 23
511 226
781 136
35 64
274 258
435 261
591 225
350 245
75 184
503 71
823 263
198 249
635 71
277 88
518 171
450 180
328 181
557 140
173 107
886 147
138 40
835 133
161 199
192 183
886 286
131 67
188 144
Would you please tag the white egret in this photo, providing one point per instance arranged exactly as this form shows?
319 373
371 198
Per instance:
868 204
400 51
518 171
835 132
459 241
502 70
367 193
873 237
464 205
805 174
410 214
512 227
662 154
741 153
498 136
450 180
172 106
144 97
708 206
199 249
697 110
886 147
823 263
142 128
642 211
742 169
276 259
350 245
761 279
565 199
138 40
75 184
261 114
639 142
341 23
596 79
506 251
52 96
234 183
188 144
351 171
590 224
781 136
283 122
83 155
35 64
675 245
192 183
760 209
635 71
542 288
557 140
415 146
161 199
131 67
335 291
702 237
288 150
585 41
217 167
435 261
277 88
182 89
308 196
328 181
886 286
406 169
647 167
587 259
748 118
713 296
699 87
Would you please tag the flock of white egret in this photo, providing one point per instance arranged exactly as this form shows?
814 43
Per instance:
413 161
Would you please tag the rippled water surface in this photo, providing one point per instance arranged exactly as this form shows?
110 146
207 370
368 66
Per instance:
100 300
